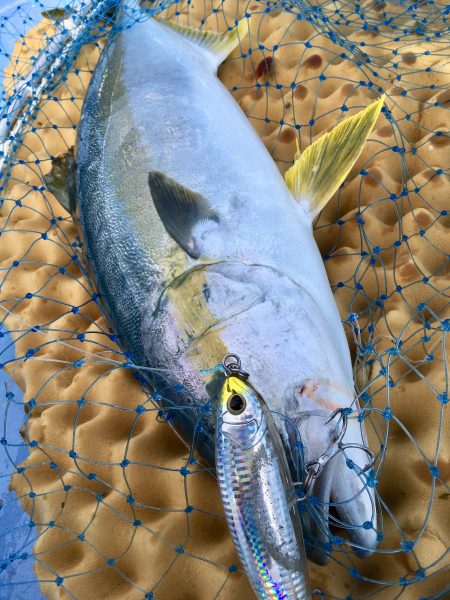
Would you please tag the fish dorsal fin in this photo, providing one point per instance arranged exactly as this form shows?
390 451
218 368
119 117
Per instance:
217 46
319 171
61 181
185 214
57 14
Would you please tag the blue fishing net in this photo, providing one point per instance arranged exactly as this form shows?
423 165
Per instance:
99 497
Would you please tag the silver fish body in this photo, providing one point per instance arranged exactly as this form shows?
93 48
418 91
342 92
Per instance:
242 275
258 495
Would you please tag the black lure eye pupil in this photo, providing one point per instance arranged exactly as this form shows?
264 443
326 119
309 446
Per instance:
236 403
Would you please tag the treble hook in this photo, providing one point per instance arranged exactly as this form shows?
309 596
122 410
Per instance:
365 449
314 468
344 418
355 445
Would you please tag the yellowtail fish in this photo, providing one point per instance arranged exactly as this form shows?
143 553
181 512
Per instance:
258 494
201 248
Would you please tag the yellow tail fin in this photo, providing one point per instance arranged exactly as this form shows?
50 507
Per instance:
319 171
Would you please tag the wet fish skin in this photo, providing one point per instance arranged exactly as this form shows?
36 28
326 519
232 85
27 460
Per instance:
256 286
258 495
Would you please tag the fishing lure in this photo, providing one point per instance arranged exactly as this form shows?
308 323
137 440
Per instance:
257 491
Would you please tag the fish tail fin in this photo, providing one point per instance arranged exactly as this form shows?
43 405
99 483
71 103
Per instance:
217 46
319 171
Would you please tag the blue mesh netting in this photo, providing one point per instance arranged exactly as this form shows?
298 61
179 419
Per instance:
103 498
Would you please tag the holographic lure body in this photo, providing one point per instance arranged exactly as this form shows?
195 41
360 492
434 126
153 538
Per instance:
258 494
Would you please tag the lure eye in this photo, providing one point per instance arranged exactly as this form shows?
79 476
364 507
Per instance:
236 404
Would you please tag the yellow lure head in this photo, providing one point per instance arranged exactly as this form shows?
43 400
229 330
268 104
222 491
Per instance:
236 395
241 416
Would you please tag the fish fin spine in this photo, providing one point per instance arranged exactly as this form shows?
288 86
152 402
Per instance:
319 170
215 44
60 181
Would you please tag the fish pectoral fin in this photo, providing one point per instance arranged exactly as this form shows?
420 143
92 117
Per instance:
185 214
61 181
216 45
319 171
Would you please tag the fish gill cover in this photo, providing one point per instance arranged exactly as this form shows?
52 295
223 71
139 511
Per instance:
115 505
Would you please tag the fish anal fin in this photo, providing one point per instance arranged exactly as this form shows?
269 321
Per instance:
319 170
216 45
182 211
61 181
